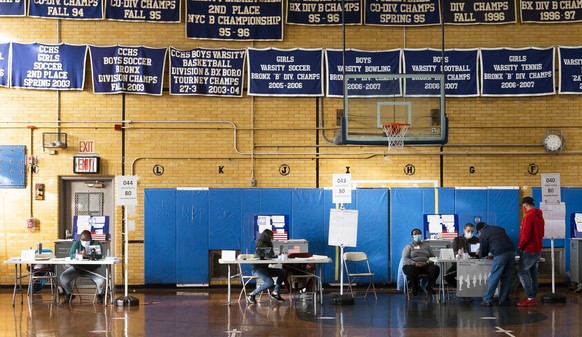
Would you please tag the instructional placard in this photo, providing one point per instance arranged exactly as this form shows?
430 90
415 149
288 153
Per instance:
555 219
343 227
126 190
551 188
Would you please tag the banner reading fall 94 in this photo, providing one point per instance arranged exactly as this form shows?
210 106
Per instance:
12 8
66 9
244 20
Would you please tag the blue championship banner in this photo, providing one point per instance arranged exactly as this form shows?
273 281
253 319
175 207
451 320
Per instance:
209 72
551 11
402 12
244 20
517 71
143 10
12 8
285 72
362 62
134 70
48 66
471 12
66 9
4 53
324 12
570 68
460 69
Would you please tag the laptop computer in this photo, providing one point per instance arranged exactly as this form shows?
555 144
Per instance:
446 253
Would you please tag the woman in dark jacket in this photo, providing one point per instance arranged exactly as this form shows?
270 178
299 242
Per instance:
264 272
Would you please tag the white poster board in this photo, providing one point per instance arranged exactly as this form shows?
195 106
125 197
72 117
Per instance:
343 227
126 190
555 219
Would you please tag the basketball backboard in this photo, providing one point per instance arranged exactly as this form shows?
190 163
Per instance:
386 100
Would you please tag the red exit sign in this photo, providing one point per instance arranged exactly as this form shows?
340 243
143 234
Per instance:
87 146
86 164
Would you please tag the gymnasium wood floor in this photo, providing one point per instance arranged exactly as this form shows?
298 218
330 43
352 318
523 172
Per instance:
203 312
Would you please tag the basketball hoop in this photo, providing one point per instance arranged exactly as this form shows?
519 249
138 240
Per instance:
395 133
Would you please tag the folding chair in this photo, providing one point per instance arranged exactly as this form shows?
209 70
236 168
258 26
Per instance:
82 293
246 276
422 278
39 274
359 259
301 277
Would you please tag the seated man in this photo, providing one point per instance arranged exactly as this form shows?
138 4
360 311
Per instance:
462 244
71 273
415 258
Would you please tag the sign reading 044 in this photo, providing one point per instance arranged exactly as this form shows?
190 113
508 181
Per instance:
553 142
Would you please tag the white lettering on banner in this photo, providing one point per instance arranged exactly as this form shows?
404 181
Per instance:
551 11
217 72
324 12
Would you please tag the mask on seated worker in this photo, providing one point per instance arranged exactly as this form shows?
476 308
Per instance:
417 237
468 235
85 244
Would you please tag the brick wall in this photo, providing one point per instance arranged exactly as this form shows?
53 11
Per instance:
285 128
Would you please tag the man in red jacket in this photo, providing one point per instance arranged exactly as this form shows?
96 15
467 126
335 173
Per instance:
530 250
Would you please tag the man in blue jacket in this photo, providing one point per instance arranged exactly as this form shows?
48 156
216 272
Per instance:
495 244
71 273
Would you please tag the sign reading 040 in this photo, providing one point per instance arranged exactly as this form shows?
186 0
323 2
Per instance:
126 190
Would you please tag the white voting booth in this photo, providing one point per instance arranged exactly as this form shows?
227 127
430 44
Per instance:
554 212
343 223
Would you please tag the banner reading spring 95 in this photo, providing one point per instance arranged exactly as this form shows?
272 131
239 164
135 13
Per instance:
403 12
324 12
12 8
570 68
48 66
210 72
135 70
285 72
143 10
517 72
66 9
460 70
363 63
4 52
234 19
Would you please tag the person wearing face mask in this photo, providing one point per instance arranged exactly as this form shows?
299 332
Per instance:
71 273
266 273
461 244
415 258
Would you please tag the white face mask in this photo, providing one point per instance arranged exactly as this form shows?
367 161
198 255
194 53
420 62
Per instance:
468 235
85 243
417 237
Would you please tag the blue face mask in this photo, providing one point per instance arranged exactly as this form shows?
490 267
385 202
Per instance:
468 235
417 237
85 243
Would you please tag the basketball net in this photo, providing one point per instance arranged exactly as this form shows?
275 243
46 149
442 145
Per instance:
395 133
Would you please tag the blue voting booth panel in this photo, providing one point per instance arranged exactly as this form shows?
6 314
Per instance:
224 208
505 204
308 215
160 236
191 236
250 206
372 206
407 206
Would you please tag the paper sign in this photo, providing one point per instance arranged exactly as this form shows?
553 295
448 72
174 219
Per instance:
555 219
551 188
343 228
342 189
